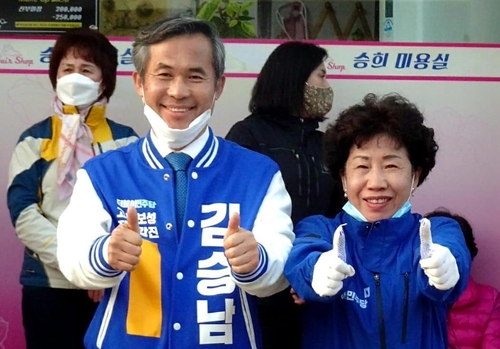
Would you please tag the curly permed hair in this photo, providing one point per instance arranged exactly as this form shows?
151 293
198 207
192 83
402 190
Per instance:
391 115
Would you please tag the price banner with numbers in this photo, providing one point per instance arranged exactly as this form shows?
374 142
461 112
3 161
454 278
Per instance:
47 16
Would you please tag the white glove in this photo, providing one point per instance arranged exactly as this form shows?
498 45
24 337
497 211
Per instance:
437 261
331 268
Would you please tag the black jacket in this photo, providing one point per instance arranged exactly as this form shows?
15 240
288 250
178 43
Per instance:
296 146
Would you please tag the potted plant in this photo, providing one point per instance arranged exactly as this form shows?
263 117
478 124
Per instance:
231 17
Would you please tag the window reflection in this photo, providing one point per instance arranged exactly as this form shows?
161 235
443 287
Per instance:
451 21
263 19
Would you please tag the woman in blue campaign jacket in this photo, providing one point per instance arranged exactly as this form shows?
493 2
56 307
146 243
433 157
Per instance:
290 98
377 275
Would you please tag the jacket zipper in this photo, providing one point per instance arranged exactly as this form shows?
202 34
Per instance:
405 309
297 156
308 174
318 174
381 325
308 171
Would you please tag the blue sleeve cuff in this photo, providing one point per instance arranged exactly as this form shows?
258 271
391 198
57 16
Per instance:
98 260
258 272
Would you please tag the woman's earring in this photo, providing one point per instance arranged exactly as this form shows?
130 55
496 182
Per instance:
345 194
412 191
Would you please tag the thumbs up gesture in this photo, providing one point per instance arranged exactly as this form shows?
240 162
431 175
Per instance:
437 261
241 249
125 243
331 268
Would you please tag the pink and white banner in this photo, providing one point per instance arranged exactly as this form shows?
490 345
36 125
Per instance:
347 60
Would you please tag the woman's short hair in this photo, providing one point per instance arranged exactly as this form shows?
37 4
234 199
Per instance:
391 115
91 46
279 89
464 225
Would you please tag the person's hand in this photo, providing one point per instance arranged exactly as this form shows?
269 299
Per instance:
125 243
296 299
241 249
95 295
437 261
331 269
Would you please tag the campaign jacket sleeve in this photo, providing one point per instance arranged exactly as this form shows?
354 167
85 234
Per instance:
83 236
446 232
241 135
273 232
313 237
24 200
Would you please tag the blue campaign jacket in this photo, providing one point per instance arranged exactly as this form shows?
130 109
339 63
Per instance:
181 295
388 303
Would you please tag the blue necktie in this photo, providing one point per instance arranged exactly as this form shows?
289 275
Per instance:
179 162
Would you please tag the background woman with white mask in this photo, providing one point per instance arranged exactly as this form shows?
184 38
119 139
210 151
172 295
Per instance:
42 173
289 100
378 275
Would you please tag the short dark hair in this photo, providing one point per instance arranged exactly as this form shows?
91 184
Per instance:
91 46
391 115
172 27
279 89
464 225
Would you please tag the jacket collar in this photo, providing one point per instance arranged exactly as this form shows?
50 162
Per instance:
393 229
95 116
287 121
377 242
204 158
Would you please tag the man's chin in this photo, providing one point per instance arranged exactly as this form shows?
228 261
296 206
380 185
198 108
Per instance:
176 123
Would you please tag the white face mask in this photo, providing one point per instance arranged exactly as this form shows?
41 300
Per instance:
174 138
77 89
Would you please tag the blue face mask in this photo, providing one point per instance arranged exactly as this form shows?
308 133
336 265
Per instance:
405 208
354 212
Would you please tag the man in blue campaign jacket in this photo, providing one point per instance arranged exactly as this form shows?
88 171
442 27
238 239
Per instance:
188 282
